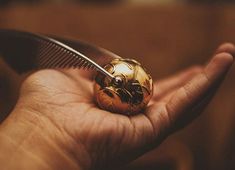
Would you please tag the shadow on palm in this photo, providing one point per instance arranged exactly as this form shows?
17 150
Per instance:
65 98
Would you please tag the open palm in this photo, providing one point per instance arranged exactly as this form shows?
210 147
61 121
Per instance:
61 103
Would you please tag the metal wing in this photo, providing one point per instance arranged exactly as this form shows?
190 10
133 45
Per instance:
100 55
25 51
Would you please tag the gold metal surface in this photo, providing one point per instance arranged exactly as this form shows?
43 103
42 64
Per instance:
130 90
122 86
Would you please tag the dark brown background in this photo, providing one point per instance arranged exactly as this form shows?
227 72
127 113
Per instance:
165 38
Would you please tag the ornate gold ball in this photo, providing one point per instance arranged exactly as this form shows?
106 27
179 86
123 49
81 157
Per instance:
128 92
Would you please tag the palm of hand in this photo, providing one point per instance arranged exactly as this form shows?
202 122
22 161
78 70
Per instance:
65 99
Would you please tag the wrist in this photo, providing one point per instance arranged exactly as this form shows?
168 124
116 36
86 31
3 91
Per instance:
30 141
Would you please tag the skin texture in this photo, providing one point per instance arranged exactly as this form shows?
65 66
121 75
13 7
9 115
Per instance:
56 124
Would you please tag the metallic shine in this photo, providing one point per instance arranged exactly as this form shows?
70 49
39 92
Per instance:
132 92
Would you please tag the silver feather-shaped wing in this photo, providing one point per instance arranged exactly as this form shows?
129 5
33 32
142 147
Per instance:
25 51
100 55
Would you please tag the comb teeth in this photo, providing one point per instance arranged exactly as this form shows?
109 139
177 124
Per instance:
51 55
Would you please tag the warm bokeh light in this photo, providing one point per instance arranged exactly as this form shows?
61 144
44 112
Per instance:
165 36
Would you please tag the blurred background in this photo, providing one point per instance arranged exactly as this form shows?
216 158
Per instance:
166 36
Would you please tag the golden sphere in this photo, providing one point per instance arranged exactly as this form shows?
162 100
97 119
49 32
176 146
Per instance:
130 90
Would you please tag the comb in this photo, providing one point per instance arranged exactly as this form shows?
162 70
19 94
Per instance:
25 51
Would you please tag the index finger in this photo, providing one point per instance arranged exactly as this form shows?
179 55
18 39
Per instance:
188 96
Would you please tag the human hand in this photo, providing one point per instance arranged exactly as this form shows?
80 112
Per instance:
56 124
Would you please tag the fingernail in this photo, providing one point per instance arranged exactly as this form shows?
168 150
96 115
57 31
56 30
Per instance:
228 48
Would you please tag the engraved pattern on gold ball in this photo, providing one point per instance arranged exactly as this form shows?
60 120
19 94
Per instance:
129 92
